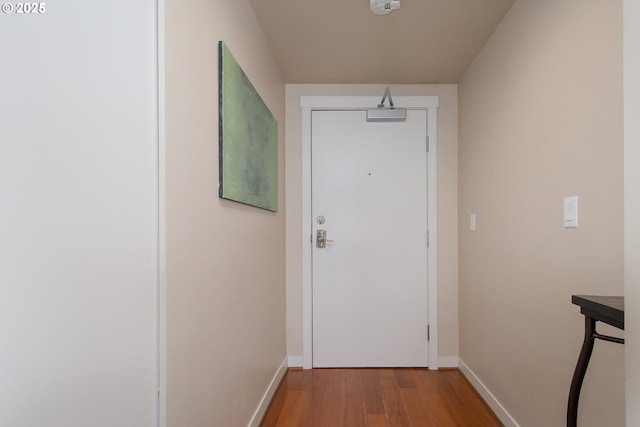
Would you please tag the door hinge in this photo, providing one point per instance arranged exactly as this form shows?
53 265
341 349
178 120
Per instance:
427 238
428 333
427 143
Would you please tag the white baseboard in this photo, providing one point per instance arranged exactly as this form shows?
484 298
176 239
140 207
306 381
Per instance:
295 362
256 419
443 362
488 397
448 362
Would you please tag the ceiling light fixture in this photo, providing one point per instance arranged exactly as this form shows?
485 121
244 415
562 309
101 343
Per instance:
382 7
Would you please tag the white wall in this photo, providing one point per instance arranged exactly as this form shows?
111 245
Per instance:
632 206
78 227
541 119
447 207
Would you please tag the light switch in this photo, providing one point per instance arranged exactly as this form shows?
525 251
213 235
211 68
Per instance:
571 212
472 222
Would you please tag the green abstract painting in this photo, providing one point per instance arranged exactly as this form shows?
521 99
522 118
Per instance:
248 145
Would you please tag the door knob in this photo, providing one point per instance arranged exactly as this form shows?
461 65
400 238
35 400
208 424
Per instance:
321 239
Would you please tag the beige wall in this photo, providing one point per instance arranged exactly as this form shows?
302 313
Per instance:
541 119
447 205
225 262
632 205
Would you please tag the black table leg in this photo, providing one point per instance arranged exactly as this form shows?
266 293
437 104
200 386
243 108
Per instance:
581 370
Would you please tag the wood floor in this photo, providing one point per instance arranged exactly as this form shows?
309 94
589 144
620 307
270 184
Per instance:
401 397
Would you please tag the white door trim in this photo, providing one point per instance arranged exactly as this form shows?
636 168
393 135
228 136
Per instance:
310 103
161 362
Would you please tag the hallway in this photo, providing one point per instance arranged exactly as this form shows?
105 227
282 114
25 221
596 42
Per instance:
402 397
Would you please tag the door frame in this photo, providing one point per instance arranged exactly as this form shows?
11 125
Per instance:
338 103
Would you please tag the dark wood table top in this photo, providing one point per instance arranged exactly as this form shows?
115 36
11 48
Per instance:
607 309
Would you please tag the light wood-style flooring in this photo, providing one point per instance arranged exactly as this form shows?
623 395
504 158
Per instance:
398 397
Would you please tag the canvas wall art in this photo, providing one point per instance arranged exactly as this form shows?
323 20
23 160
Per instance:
248 145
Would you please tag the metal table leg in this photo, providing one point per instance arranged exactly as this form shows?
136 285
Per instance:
581 370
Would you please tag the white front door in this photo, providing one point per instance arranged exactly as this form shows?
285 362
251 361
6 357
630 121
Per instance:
369 193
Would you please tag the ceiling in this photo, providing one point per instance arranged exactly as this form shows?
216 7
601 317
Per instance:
342 41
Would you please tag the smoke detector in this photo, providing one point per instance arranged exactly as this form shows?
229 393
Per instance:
382 7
